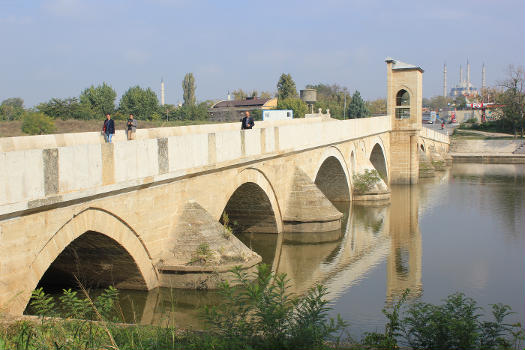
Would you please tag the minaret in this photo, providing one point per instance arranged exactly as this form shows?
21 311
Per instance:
468 76
445 80
460 75
162 92
483 81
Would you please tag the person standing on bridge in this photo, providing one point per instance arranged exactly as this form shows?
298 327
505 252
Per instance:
132 127
108 128
247 122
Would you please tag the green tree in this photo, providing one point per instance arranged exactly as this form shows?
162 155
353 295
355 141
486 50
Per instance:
187 112
142 103
36 123
297 105
12 109
188 86
266 94
331 97
239 94
286 87
100 99
377 106
438 102
513 99
460 101
357 107
67 108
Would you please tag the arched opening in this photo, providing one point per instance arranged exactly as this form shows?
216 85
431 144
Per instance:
377 158
402 104
422 147
97 261
331 180
252 220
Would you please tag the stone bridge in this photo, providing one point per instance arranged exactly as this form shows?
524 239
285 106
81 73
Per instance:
147 213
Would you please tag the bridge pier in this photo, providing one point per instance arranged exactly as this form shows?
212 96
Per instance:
309 211
202 252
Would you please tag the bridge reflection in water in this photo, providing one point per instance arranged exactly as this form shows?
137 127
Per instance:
370 235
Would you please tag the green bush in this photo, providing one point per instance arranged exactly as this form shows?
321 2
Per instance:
38 124
260 314
365 181
455 324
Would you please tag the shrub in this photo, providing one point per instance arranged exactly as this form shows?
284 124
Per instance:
37 124
261 314
365 181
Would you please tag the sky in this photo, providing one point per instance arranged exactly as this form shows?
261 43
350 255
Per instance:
57 48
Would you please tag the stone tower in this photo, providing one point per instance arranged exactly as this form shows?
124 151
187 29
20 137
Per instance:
404 105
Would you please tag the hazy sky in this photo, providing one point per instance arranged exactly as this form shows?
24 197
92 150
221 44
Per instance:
56 48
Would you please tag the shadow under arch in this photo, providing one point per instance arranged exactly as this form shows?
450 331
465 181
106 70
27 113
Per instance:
255 214
378 160
98 233
332 176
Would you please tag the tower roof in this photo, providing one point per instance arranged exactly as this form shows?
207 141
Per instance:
399 65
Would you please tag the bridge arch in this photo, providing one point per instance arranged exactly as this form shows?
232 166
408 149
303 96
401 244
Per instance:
252 188
378 159
92 226
253 194
332 176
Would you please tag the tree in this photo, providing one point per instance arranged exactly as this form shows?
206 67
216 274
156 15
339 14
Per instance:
37 124
460 102
513 99
12 109
68 108
331 97
357 107
438 102
377 107
188 86
100 99
187 112
297 105
266 94
286 87
239 94
142 103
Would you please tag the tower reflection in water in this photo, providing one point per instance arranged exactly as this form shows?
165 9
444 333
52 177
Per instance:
371 234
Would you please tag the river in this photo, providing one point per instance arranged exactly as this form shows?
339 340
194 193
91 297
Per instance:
462 230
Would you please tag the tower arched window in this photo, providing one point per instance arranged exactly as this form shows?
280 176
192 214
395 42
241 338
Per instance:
402 104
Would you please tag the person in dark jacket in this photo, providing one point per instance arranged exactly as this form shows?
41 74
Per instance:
132 127
247 122
109 128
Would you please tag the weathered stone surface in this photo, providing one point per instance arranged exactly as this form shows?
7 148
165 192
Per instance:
307 204
202 251
162 150
50 160
426 169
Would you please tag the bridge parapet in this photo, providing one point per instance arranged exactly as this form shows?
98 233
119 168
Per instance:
41 177
434 135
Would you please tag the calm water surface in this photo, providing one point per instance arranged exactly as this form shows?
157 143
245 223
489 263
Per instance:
460 231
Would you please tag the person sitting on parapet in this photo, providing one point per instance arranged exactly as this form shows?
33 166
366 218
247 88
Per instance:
132 127
108 128
247 122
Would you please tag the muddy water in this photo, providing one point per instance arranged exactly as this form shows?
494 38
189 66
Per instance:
460 231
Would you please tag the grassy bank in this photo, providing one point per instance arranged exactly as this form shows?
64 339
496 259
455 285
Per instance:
259 314
14 128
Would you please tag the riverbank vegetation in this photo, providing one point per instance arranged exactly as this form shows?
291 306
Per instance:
259 313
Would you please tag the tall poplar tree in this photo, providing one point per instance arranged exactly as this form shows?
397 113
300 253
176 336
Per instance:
286 87
188 86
